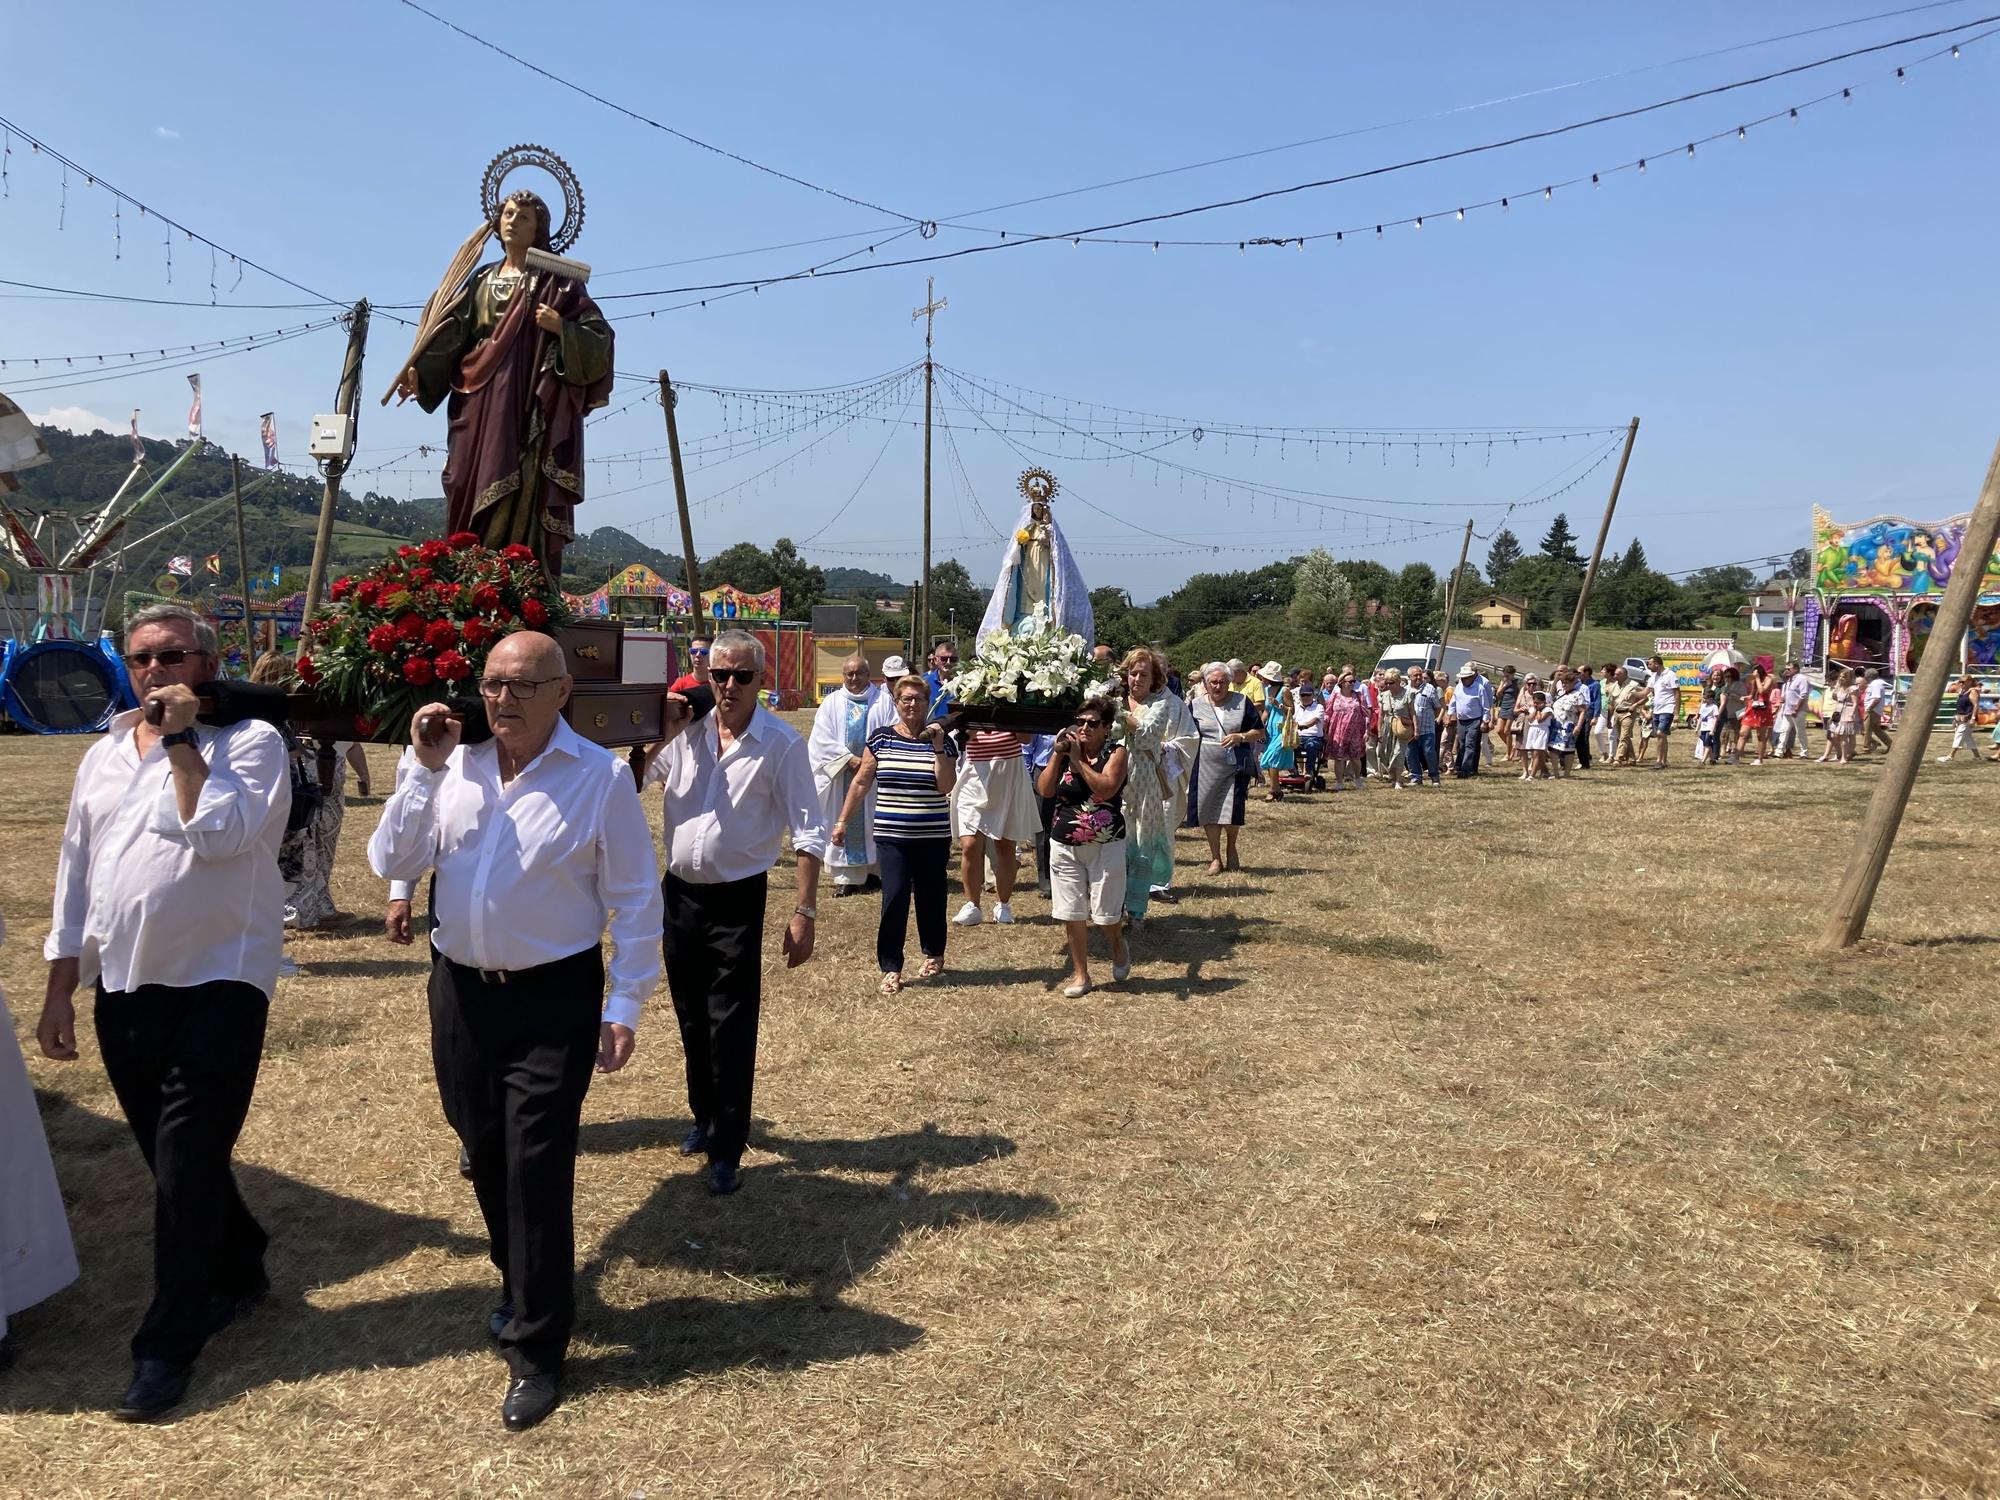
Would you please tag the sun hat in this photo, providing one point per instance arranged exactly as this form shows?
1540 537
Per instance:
895 667
1468 670
1272 671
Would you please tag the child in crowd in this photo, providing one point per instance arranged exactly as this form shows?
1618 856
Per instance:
1535 736
1707 750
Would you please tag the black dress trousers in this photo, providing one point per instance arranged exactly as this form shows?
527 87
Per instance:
183 1063
714 940
514 1059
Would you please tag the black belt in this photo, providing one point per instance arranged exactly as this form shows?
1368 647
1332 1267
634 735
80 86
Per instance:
527 975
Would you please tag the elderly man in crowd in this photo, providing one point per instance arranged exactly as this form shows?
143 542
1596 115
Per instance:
1795 694
846 717
538 839
1471 712
1242 682
168 901
736 783
1628 717
944 667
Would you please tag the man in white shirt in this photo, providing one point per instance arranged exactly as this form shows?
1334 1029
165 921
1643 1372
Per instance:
735 783
1663 686
1875 701
1795 693
537 837
168 900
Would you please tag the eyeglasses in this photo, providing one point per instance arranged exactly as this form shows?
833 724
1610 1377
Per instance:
523 688
172 657
697 651
743 676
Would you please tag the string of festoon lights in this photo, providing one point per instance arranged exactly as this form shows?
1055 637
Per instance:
1684 147
175 357
239 341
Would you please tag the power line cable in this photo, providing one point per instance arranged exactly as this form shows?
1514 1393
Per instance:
679 135
1078 235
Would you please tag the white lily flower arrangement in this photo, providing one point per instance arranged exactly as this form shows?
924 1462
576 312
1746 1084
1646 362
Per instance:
1032 664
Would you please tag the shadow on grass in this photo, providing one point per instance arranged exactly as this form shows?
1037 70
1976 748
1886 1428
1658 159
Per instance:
782 1253
1950 940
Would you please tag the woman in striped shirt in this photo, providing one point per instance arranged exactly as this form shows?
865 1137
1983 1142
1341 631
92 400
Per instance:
913 767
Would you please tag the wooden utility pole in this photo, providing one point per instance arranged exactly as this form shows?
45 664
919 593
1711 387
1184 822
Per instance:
933 305
681 499
1451 596
1597 552
343 405
242 559
1856 895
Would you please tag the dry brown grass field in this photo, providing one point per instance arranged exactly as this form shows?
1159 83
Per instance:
1506 1140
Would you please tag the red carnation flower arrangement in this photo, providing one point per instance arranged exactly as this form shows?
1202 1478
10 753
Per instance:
420 623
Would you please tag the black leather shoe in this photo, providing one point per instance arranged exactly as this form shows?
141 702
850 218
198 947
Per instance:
497 1323
465 1163
723 1178
529 1399
695 1141
157 1387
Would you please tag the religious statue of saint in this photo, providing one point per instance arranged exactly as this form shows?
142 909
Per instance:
1038 569
518 353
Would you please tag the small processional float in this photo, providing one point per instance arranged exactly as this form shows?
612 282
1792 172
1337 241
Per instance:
521 353
1032 662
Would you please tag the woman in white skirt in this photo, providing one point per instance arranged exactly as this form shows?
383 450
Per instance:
994 800
1085 779
36 1258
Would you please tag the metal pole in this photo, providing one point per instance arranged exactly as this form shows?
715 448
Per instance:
1451 597
343 404
924 608
681 499
1596 552
242 559
1856 895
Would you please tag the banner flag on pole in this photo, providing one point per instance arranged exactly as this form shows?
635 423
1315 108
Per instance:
270 433
194 411
213 563
138 447
182 564
277 575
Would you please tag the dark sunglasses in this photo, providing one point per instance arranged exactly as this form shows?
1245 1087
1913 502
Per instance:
172 657
697 651
1086 723
743 676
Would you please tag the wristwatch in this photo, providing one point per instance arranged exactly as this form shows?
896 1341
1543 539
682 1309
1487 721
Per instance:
810 913
178 737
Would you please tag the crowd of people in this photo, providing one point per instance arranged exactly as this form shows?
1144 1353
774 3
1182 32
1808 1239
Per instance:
536 846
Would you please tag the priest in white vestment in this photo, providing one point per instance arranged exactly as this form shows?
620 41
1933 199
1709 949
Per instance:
846 717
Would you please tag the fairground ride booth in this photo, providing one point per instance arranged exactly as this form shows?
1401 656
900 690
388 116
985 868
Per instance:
1877 586
659 618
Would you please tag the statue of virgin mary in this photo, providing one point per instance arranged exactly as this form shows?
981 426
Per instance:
1038 569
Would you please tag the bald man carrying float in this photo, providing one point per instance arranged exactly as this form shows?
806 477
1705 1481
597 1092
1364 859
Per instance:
538 839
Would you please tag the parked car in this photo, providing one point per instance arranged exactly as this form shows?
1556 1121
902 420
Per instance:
1636 665
1424 654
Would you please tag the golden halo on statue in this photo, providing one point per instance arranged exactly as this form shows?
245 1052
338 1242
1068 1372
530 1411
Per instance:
512 160
1038 486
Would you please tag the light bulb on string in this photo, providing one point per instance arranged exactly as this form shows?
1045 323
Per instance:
1741 132
1505 206
1690 150
1548 193
1642 166
1461 216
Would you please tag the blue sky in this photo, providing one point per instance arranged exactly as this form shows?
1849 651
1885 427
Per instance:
1801 317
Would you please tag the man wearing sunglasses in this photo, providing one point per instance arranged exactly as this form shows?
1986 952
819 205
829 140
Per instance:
538 841
945 657
168 900
736 783
697 673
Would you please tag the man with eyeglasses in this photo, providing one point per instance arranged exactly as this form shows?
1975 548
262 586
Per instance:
538 839
168 900
945 657
736 783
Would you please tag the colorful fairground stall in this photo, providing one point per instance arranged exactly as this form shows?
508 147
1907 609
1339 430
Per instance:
1878 584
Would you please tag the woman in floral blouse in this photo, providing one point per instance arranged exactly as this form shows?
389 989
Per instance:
1085 778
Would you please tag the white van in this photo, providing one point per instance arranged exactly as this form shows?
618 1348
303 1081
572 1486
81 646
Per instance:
1426 654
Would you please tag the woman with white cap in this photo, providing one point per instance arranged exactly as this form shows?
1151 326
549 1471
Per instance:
1278 753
